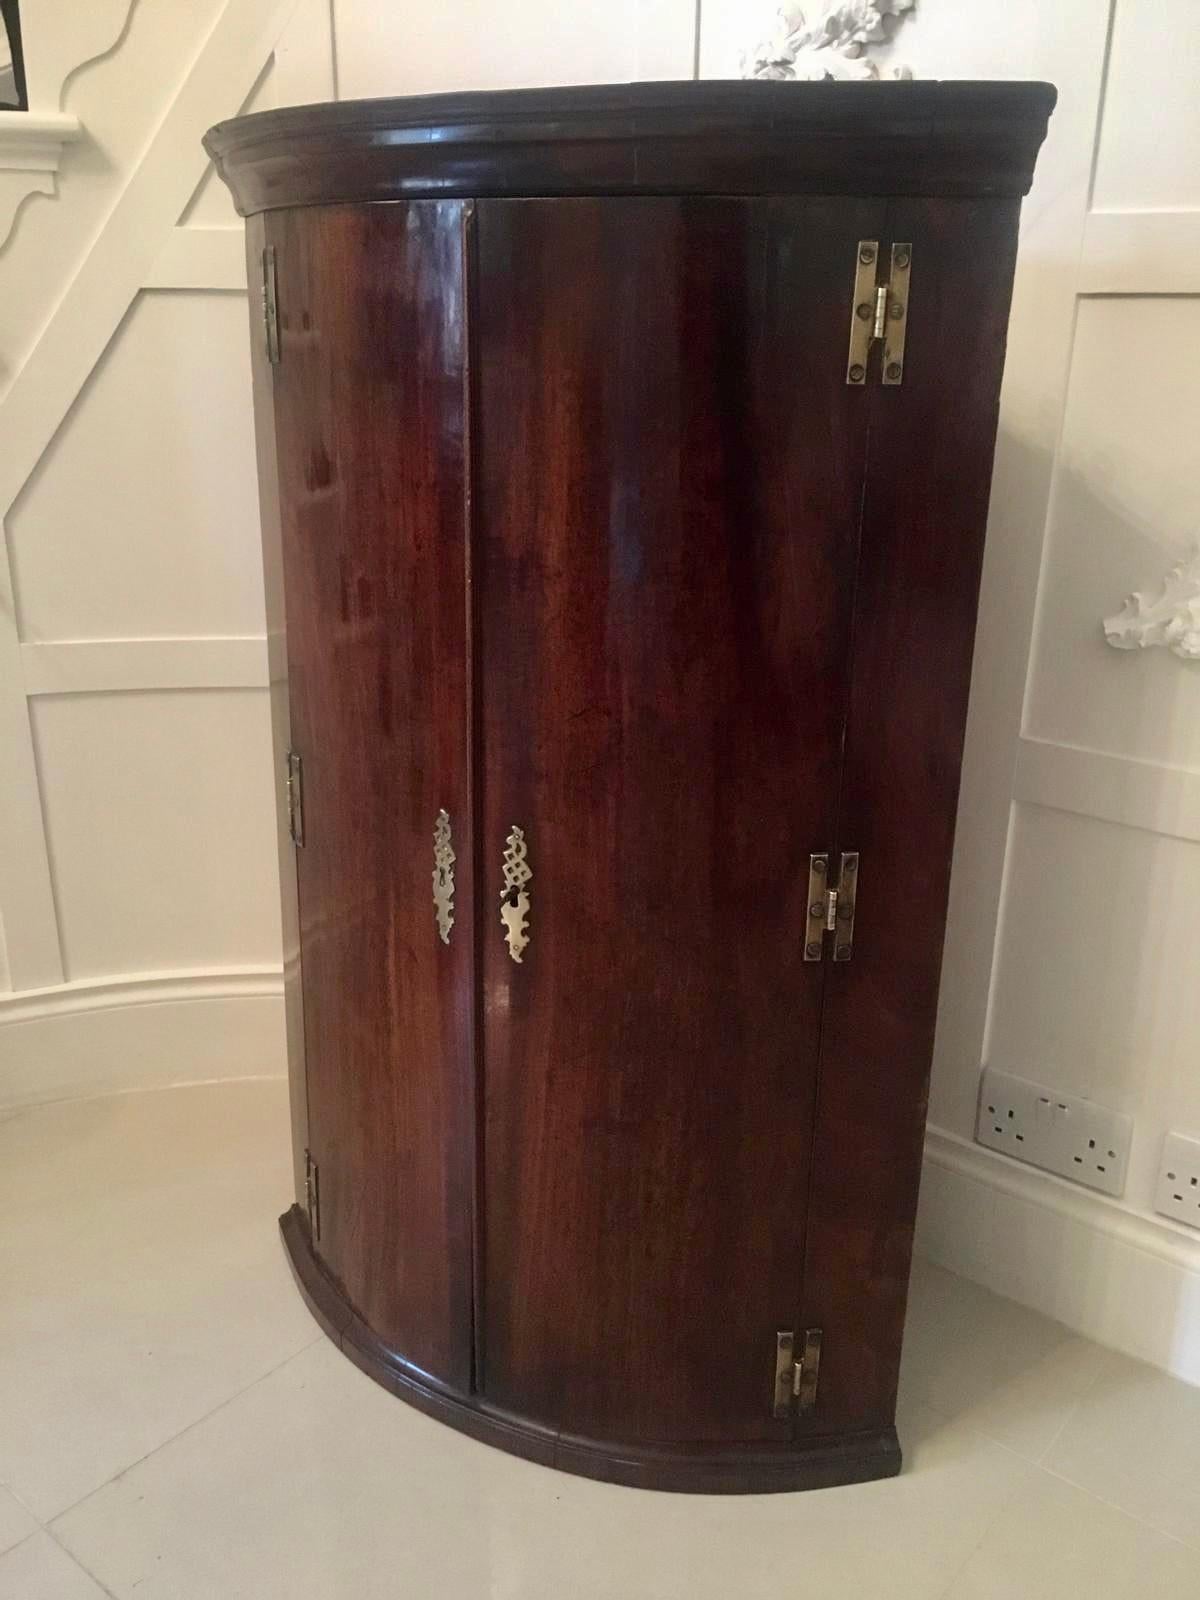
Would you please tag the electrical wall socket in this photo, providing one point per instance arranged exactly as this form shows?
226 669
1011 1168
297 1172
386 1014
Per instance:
1061 1133
1178 1192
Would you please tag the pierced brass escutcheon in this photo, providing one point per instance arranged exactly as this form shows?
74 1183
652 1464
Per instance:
514 897
443 876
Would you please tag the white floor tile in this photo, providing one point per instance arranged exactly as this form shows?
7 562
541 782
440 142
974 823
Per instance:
1136 1444
992 1364
143 1277
15 1522
145 1297
38 1569
1055 1542
315 1483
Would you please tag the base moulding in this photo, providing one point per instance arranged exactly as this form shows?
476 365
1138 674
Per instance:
815 1464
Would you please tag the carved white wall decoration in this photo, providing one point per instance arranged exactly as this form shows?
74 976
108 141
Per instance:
1170 619
828 41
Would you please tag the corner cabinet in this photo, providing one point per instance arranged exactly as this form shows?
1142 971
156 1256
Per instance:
624 457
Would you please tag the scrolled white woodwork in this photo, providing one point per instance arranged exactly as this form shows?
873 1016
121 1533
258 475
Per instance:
60 40
1170 619
827 42
31 151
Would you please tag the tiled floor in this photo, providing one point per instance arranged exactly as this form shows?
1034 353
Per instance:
173 1427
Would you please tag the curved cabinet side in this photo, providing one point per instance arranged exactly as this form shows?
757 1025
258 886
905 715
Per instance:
369 413
266 451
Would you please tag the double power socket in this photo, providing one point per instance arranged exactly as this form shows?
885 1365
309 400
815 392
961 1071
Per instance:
1060 1133
1080 1140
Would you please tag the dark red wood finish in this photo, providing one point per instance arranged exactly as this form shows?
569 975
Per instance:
580 528
668 479
370 421
925 510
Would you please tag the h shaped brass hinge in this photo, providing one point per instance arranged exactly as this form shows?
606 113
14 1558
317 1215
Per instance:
312 1194
831 908
796 1376
879 314
270 304
295 798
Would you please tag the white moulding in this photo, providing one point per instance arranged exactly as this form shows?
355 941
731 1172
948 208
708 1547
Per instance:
1170 619
32 141
31 152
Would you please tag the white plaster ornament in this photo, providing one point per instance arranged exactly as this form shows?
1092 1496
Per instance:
1170 619
828 42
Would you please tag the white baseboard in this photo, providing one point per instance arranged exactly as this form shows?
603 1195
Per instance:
1126 1279
140 1031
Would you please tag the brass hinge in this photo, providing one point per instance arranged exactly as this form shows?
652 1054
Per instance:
831 907
270 304
879 314
312 1194
796 1377
295 798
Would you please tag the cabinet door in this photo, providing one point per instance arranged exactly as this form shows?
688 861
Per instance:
924 515
667 495
369 412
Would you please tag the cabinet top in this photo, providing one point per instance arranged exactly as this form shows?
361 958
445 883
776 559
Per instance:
711 137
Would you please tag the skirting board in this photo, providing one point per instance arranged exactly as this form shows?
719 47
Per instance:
140 1031
1125 1279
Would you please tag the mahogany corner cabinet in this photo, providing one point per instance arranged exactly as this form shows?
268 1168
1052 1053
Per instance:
624 457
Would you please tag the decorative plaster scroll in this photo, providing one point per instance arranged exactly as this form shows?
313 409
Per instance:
828 41
1170 619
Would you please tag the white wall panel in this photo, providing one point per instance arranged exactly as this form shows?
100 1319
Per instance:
1126 507
1096 977
1095 985
142 517
161 827
1149 150
473 44
120 99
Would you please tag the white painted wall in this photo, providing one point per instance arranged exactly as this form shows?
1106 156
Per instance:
139 924
139 938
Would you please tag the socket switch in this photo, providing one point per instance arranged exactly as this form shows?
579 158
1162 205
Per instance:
1061 1133
1178 1192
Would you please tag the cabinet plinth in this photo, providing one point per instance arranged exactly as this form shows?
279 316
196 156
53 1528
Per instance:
624 459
